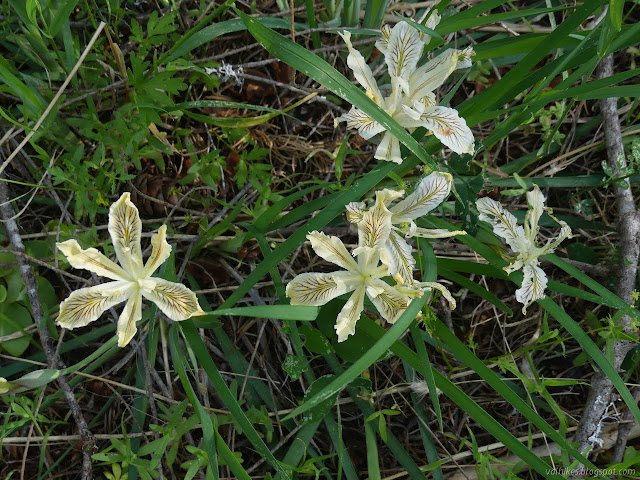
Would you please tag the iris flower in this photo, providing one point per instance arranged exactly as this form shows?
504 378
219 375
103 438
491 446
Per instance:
430 192
132 280
411 101
362 276
523 241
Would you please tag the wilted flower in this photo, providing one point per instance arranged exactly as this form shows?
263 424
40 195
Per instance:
430 192
411 101
523 242
361 276
133 280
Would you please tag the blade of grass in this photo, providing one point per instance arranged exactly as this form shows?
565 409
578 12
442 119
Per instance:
279 312
211 439
202 355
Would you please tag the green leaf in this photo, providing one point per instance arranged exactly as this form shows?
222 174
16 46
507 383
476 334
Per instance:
293 366
14 318
320 409
582 253
616 9
279 312
315 341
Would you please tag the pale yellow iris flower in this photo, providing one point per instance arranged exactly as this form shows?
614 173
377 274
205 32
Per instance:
523 241
430 192
411 101
362 276
132 280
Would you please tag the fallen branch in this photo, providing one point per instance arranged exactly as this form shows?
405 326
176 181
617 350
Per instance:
600 395
29 279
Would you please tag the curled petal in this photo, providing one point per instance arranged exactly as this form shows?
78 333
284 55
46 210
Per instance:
383 41
355 211
397 255
464 58
125 229
389 302
87 304
355 118
92 260
315 289
159 253
533 286
388 196
442 289
429 193
375 226
432 22
553 243
131 314
332 250
361 70
350 314
449 128
174 299
504 223
431 75
403 52
535 199
389 149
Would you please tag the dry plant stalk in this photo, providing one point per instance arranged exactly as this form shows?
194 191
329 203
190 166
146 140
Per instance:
29 279
628 221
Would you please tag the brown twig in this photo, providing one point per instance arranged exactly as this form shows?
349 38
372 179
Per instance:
629 229
29 279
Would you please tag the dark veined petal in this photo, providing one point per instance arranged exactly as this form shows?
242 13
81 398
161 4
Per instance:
160 252
429 193
375 226
355 118
129 317
533 286
389 302
86 305
350 314
355 211
174 299
332 250
398 257
125 229
449 128
504 223
315 289
92 260
403 52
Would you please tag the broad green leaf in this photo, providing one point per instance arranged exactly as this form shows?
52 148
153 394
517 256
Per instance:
14 318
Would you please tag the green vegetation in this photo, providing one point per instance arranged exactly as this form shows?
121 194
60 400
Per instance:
218 119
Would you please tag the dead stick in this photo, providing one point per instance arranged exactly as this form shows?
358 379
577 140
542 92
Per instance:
629 230
29 279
